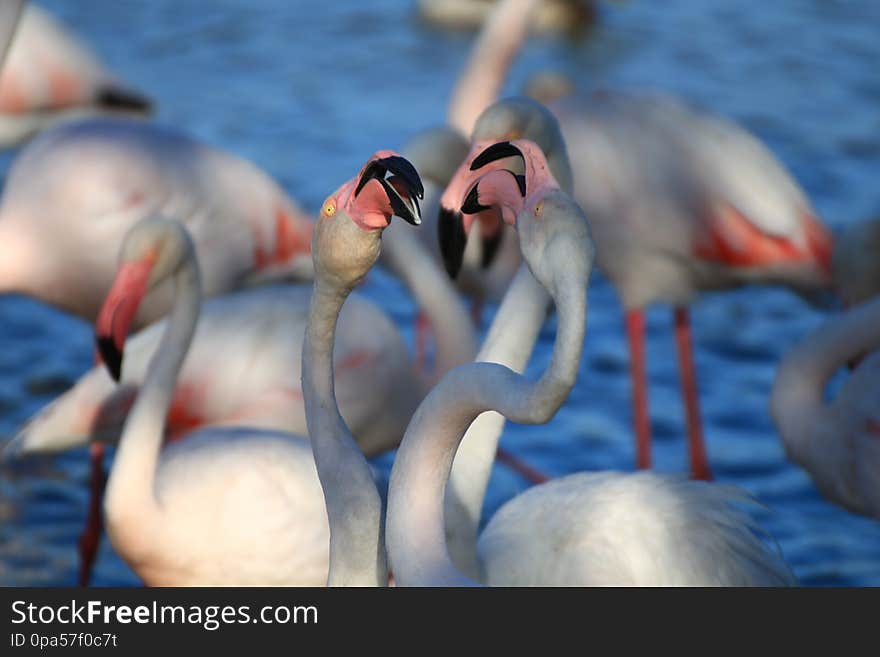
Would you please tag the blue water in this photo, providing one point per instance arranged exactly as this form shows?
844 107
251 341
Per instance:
308 91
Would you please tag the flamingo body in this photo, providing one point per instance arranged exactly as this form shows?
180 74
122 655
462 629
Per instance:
682 201
238 507
72 194
50 74
619 529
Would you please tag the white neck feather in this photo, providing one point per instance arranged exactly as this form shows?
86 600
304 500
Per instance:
354 508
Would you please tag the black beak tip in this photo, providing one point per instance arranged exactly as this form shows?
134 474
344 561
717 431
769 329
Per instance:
400 166
111 356
453 240
499 151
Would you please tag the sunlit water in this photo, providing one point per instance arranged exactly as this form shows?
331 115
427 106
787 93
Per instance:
308 91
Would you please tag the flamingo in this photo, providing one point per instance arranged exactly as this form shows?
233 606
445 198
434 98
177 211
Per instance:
679 201
186 514
554 15
51 75
74 191
700 204
837 442
584 529
346 244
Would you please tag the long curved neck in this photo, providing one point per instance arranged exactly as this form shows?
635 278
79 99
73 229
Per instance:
797 401
415 522
510 341
131 486
354 508
480 83
435 295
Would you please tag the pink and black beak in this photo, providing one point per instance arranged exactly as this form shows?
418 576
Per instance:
453 227
403 187
119 310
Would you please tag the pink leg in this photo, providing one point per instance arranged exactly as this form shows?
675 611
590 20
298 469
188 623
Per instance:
635 330
522 468
91 536
699 462
423 333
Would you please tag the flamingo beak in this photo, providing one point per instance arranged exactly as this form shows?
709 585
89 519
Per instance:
119 310
453 240
453 228
403 188
499 151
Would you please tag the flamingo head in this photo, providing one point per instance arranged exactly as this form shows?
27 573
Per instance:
508 119
492 189
346 237
153 250
556 242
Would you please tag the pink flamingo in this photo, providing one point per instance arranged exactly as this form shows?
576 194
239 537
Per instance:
50 74
73 193
679 201
683 201
837 442
583 529
186 514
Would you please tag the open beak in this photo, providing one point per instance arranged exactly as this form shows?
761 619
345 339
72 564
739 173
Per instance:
403 187
453 228
119 310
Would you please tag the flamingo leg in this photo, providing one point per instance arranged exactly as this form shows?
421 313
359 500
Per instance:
696 446
91 536
522 468
635 331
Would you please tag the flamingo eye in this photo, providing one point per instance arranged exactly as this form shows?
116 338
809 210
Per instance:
329 208
539 209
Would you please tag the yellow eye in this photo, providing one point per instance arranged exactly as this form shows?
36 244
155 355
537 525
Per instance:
539 209
329 208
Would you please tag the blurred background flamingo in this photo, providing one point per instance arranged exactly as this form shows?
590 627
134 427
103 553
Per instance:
51 75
